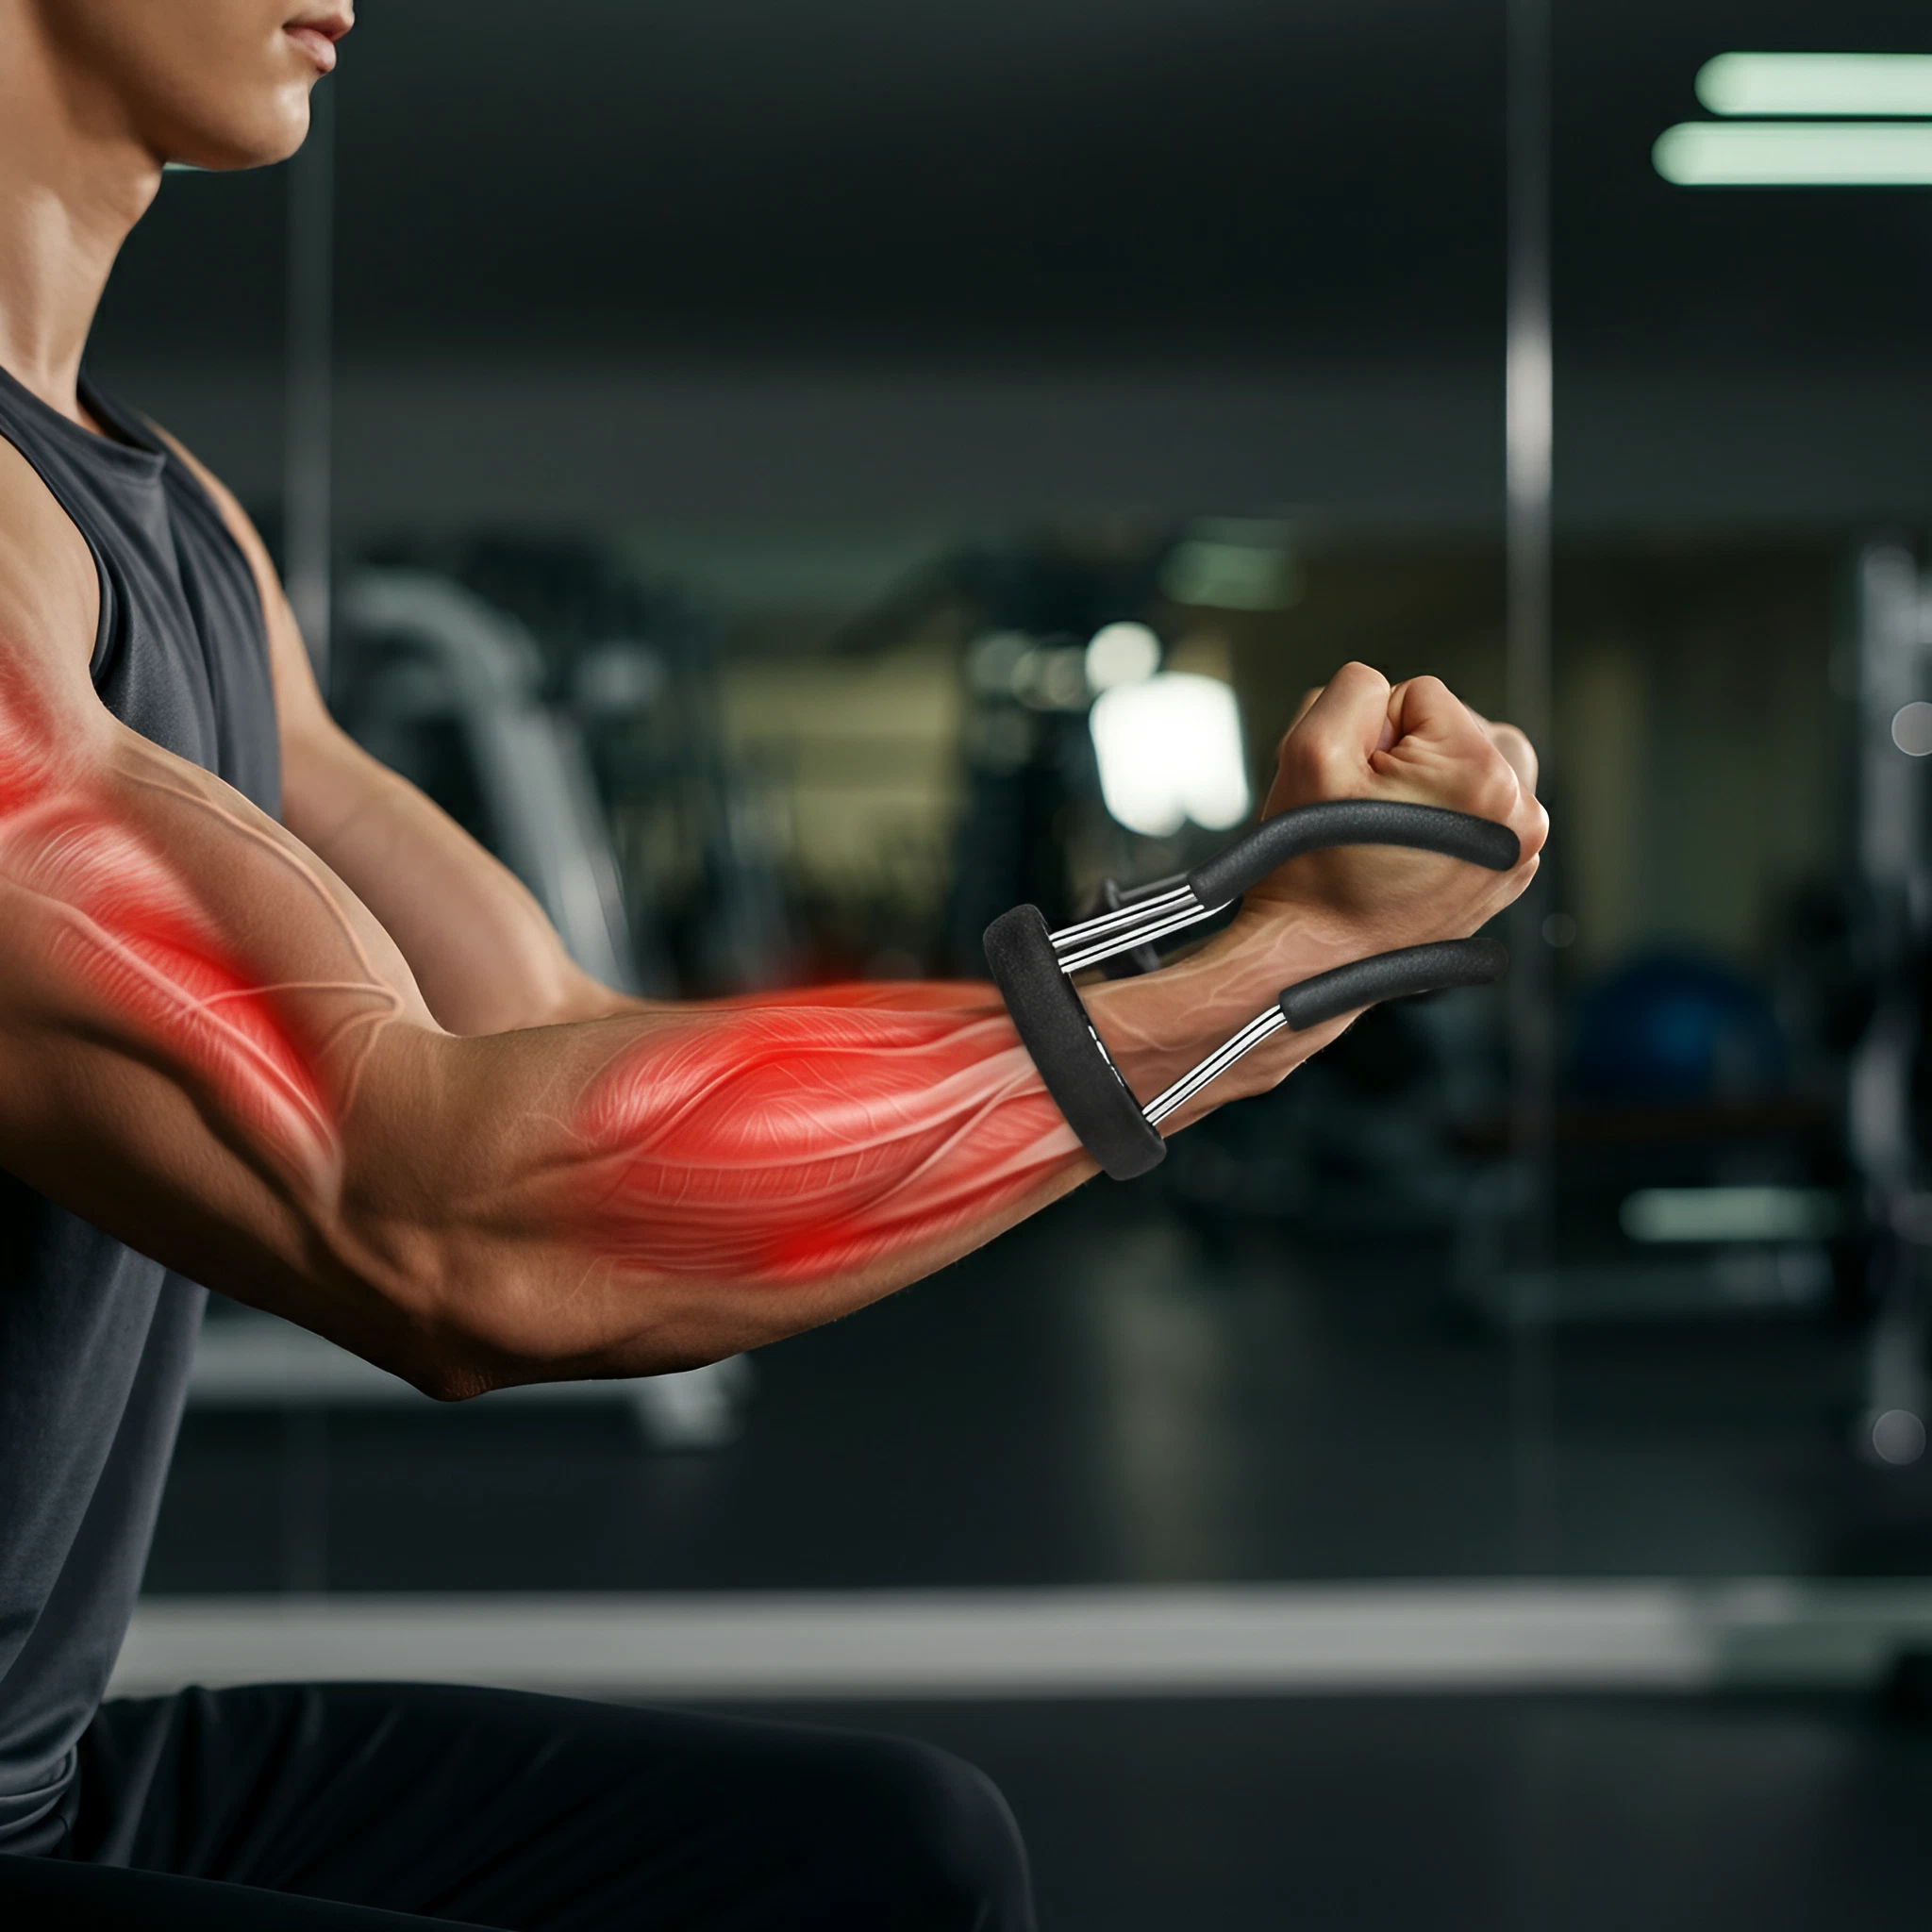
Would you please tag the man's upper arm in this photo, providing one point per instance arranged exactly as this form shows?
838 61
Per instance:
49 591
188 997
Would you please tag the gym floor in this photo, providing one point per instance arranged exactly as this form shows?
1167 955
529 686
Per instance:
1093 1400
1163 1414
1491 1814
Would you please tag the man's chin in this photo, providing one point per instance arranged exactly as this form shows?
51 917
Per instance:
230 152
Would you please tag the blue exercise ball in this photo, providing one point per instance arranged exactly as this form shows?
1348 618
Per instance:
1677 1027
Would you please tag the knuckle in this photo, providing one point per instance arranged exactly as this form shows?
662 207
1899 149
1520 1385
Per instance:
1325 764
1494 792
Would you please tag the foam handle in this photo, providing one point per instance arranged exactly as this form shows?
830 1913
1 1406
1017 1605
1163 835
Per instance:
1397 975
1351 822
1051 1022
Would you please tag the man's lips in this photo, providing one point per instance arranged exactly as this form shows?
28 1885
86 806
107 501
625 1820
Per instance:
318 42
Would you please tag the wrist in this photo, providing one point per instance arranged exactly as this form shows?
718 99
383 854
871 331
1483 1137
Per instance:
1158 1026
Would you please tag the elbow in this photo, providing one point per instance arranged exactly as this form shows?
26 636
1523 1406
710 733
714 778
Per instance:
455 1360
456 1338
459 1371
462 1327
448 1364
402 1299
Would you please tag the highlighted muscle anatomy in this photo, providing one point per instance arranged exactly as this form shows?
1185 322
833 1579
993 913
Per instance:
787 1140
114 921
792 1140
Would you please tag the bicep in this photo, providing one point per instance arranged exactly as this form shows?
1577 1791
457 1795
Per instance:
188 1000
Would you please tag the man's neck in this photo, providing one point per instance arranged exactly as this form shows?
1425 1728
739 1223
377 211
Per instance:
74 180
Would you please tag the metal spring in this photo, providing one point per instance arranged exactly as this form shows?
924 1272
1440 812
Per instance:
1224 1056
1086 931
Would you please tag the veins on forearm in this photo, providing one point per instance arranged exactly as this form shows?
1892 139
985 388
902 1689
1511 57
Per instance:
812 1134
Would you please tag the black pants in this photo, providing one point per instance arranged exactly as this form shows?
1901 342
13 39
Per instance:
491 1808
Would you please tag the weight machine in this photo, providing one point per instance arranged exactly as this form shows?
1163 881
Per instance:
1886 1114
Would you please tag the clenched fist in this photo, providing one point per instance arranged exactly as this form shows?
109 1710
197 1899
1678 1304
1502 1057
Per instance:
1354 738
1359 736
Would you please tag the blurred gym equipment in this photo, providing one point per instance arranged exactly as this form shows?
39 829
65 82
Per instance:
631 668
1689 1179
431 671
1885 1112
1675 1028
1032 785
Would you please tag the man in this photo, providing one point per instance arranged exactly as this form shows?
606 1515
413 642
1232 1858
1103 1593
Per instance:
268 1021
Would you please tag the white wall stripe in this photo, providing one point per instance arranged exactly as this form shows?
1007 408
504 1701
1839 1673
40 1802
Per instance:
1663 1635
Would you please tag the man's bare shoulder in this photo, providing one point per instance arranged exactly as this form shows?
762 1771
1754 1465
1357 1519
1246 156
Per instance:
49 593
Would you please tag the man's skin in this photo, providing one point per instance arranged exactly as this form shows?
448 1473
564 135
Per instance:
342 1068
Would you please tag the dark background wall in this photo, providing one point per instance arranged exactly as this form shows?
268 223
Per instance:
861 263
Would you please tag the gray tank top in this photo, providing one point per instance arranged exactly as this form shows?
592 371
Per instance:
95 1340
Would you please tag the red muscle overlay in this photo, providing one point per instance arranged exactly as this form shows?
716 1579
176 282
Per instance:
115 918
783 1138
813 1132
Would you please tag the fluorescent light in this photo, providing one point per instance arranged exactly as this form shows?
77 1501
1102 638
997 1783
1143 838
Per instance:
1234 563
1795 154
1817 84
1170 749
1121 653
1729 1214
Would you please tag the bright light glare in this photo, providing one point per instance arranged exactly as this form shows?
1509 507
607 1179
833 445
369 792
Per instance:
1817 84
1121 653
1234 563
1795 154
1898 1436
1169 750
1729 1214
1911 729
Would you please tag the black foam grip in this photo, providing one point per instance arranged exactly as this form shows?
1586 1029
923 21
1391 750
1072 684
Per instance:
1052 1021
1351 822
1397 975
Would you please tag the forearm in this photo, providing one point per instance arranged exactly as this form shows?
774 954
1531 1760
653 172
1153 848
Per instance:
636 1194
486 958
197 1007
653 1191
